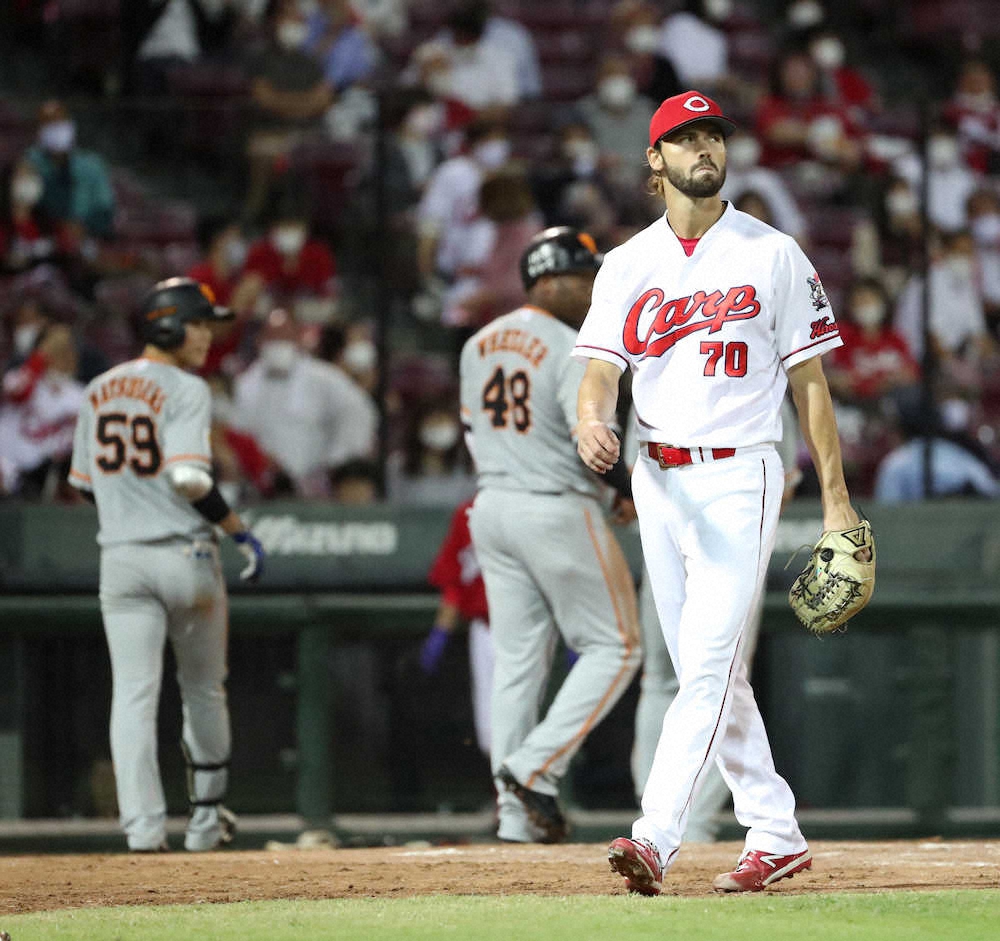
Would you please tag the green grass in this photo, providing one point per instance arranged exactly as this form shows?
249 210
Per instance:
913 916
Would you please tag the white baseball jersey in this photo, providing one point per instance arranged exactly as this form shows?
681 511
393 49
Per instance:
136 420
710 336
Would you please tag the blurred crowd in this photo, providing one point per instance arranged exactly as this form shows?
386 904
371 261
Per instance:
475 124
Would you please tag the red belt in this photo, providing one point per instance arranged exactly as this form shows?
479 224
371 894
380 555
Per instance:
668 456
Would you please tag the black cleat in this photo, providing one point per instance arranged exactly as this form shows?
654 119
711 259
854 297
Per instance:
543 809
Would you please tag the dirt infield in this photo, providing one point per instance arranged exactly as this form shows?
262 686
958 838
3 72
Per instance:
37 883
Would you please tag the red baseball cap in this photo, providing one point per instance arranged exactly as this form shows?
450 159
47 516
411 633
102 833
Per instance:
686 108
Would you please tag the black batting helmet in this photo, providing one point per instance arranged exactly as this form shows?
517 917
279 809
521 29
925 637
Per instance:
559 250
172 303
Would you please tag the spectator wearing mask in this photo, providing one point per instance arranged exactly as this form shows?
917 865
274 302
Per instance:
983 209
951 182
307 415
974 113
451 201
745 174
22 241
840 81
960 339
38 410
576 157
635 28
289 95
468 69
512 38
433 468
489 282
416 148
77 200
617 117
290 263
958 465
222 269
351 348
900 228
798 122
335 38
874 360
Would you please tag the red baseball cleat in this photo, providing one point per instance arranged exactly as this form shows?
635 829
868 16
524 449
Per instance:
756 870
639 862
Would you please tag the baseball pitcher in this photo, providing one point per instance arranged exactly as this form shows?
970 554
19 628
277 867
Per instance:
715 313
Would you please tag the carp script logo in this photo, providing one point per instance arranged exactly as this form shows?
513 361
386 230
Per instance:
675 319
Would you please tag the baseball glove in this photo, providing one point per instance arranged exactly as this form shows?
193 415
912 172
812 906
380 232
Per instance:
835 584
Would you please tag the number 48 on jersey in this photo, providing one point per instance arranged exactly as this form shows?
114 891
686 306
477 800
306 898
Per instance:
503 394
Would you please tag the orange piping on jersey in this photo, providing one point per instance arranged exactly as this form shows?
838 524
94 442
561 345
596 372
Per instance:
188 457
537 310
78 476
622 673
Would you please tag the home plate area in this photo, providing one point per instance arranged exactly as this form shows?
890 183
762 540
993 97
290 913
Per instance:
37 883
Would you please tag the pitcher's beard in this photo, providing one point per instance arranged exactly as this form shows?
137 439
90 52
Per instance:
697 187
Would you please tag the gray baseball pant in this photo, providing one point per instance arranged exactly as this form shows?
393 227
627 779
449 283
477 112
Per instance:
150 592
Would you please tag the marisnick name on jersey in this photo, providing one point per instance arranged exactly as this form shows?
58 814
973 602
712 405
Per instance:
675 319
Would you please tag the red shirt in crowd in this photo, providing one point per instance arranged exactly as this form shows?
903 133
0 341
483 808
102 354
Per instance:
313 271
774 109
870 360
978 129
456 571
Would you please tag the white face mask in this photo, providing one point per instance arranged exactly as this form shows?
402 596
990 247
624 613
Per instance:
236 253
960 266
24 338
977 101
805 13
718 10
57 137
955 414
278 356
986 228
492 153
360 355
828 52
439 436
743 153
584 154
869 315
291 34
642 39
617 92
27 189
943 152
425 121
289 239
901 202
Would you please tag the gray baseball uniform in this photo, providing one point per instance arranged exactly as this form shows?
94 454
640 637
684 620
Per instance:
160 578
549 559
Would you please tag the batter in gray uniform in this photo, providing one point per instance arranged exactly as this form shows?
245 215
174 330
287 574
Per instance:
549 560
141 453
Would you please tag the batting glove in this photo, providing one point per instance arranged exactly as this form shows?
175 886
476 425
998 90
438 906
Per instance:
254 553
433 649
